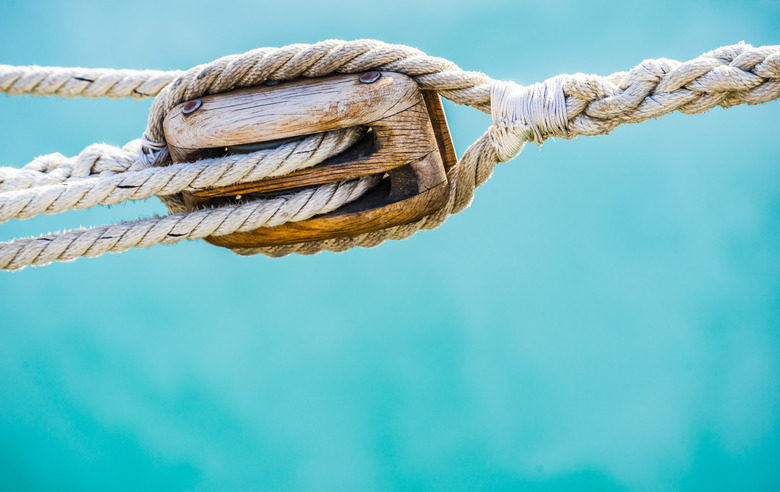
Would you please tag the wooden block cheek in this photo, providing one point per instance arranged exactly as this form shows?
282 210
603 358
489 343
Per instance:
395 140
290 109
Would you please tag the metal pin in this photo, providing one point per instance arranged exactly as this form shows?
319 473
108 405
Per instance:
370 77
191 106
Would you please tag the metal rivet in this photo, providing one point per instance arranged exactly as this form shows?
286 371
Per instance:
191 106
370 77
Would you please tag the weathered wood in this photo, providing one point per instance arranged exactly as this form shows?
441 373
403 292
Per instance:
374 211
290 109
408 140
440 129
396 140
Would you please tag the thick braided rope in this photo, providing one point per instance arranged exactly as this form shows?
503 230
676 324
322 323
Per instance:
109 189
564 106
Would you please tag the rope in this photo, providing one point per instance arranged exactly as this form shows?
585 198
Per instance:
571 105
564 106
176 227
137 185
95 160
109 188
84 82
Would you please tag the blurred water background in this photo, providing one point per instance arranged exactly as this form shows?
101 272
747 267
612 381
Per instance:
604 317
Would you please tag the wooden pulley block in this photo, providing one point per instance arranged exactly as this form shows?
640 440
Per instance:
407 143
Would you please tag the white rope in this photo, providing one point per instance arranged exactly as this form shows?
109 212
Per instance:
95 160
526 114
581 104
173 228
138 182
84 82
79 193
564 106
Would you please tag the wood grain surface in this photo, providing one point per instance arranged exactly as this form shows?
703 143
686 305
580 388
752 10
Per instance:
408 142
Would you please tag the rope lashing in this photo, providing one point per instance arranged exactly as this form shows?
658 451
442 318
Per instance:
563 106
526 114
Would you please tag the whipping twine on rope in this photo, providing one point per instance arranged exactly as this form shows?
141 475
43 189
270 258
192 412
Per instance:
563 106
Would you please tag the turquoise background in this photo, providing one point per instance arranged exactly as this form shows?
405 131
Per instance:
604 317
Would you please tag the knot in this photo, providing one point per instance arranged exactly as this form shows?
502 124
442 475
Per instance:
526 114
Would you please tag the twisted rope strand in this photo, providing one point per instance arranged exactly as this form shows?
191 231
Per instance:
658 87
109 189
570 105
173 228
318 60
98 160
84 82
